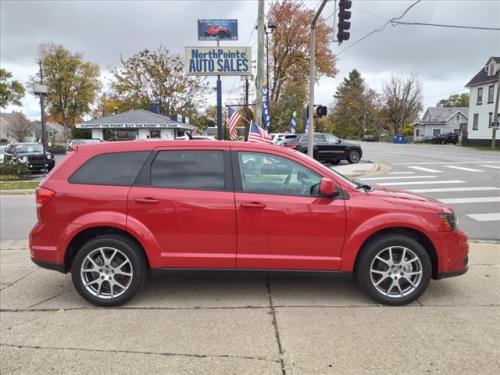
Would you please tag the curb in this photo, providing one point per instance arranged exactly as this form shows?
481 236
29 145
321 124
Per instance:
17 192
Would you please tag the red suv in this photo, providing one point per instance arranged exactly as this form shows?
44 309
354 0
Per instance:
110 212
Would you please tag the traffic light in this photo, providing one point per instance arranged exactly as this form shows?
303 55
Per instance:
321 111
344 25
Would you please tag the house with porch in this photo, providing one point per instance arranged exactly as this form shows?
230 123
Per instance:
483 106
440 120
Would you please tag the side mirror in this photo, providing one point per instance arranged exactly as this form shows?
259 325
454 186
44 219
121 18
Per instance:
326 187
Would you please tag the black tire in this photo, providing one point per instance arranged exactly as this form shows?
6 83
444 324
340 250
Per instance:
353 156
126 247
367 282
335 162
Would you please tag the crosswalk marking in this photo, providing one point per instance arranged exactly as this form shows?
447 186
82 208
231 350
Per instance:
401 173
395 178
470 200
495 216
490 166
421 182
463 168
451 190
424 169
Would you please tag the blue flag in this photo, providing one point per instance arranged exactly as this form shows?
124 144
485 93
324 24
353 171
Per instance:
266 116
293 123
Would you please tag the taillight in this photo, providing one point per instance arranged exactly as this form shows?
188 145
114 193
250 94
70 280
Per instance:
43 195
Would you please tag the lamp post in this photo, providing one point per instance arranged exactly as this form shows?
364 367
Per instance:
268 29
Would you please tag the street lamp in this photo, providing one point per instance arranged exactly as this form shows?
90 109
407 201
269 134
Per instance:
268 29
41 90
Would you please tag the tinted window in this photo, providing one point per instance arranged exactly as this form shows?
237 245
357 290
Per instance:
264 173
29 147
119 168
330 138
202 170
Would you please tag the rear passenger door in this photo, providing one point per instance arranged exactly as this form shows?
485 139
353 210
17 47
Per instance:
185 198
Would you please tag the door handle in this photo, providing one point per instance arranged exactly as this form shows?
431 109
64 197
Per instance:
146 200
253 205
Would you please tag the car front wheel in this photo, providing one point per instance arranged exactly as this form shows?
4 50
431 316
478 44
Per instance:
109 270
394 270
353 156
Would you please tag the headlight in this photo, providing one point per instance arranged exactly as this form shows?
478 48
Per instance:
49 156
449 221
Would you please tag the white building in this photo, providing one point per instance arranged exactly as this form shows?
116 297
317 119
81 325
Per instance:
484 88
136 124
440 120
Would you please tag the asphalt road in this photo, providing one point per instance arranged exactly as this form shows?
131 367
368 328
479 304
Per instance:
466 179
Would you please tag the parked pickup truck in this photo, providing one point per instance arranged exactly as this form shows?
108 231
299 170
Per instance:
445 138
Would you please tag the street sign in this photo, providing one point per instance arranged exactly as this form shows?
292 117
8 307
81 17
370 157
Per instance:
217 29
494 125
214 61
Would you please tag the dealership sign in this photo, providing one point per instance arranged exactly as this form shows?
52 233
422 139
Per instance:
217 29
213 61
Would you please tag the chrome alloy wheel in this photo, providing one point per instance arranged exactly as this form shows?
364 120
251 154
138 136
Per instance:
106 272
396 271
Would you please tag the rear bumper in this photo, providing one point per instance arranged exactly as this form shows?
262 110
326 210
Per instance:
49 265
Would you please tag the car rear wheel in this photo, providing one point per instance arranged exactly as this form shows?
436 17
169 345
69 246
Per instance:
394 270
109 270
353 156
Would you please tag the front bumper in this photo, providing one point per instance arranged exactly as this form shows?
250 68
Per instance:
453 254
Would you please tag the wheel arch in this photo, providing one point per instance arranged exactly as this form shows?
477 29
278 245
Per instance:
88 233
420 237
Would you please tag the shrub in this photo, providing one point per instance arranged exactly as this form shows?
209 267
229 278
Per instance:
14 169
57 149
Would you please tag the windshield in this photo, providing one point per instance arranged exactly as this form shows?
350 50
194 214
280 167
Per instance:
28 148
351 182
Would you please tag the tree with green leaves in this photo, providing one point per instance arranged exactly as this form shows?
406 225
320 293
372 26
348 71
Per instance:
11 91
292 100
157 76
357 108
455 100
73 84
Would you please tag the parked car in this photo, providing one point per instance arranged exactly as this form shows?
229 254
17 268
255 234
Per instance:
110 212
277 137
286 138
445 138
219 31
369 138
77 141
2 153
327 148
30 153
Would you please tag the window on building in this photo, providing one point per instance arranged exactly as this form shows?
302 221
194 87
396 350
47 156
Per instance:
490 119
458 117
116 169
456 131
490 93
491 69
475 121
436 132
480 95
201 170
155 133
417 132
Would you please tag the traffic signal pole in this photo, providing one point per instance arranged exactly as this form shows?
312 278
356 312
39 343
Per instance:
312 76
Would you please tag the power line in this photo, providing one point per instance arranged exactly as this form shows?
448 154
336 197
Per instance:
380 28
395 23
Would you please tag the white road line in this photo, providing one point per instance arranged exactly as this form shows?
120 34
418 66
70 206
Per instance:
401 173
451 190
430 170
486 217
470 200
463 168
394 178
421 183
490 166
448 162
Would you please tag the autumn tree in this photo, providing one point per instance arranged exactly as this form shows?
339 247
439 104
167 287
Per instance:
289 46
456 100
11 91
19 129
73 83
157 76
357 108
402 101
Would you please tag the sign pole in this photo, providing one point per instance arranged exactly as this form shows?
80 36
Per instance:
220 133
495 119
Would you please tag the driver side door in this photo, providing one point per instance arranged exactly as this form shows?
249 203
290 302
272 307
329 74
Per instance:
282 221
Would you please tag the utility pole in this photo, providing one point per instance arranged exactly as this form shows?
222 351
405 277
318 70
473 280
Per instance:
220 133
42 118
495 119
260 62
312 76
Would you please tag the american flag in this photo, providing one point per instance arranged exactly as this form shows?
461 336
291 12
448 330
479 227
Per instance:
234 118
258 135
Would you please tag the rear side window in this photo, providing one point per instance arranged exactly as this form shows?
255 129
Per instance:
202 170
118 168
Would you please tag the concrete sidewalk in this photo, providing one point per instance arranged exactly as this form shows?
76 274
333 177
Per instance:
248 323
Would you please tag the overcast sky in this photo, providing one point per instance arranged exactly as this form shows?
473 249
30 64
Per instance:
444 59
